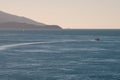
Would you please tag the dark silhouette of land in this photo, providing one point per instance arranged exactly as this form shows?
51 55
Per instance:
13 22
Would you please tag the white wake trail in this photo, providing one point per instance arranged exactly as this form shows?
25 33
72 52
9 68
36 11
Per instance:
4 47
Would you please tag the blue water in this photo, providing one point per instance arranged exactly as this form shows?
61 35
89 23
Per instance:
60 55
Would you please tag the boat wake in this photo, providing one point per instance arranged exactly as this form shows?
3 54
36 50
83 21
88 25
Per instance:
4 47
8 46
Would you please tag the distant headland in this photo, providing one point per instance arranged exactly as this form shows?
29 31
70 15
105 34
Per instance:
13 22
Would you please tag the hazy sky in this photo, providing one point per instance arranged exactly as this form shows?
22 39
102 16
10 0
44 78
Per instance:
68 13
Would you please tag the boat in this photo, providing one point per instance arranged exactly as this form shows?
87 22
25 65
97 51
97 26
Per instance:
97 39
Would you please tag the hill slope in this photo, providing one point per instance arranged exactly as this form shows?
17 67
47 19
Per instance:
9 21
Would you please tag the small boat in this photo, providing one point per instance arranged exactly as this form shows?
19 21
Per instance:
97 39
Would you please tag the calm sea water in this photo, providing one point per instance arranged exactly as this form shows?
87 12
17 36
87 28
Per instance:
60 55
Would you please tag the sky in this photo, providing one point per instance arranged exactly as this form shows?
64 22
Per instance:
77 14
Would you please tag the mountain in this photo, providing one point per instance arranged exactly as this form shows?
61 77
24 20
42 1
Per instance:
9 21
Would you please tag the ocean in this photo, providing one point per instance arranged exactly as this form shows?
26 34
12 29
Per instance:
60 55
